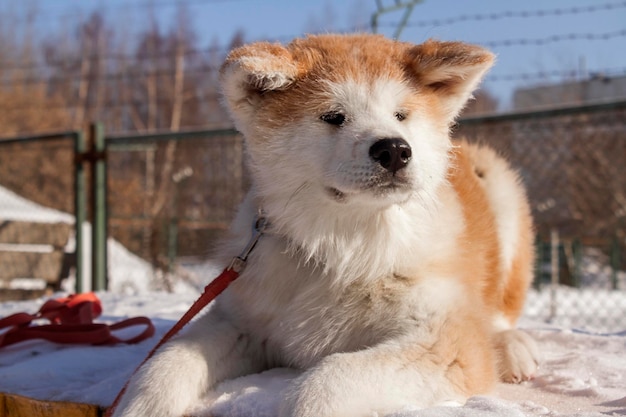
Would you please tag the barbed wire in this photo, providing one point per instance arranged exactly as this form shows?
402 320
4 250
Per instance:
111 76
211 69
515 14
129 58
544 75
211 95
137 57
222 50
133 76
555 38
219 50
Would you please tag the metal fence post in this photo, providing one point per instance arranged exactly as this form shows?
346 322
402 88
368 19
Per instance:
554 272
615 262
80 209
99 224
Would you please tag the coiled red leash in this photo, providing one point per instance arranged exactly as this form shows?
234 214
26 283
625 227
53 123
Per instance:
210 292
71 322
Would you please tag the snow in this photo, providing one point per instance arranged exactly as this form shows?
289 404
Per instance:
15 207
582 370
128 273
581 373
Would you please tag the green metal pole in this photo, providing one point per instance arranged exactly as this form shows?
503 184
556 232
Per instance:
538 272
172 242
615 262
80 208
99 226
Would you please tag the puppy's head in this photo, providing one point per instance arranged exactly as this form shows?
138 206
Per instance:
355 120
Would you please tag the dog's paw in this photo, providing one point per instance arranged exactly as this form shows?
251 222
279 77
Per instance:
327 390
302 400
517 356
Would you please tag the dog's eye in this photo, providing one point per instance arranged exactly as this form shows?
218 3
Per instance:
400 116
333 118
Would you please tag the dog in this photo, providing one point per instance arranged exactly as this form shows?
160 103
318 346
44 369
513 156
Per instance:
395 261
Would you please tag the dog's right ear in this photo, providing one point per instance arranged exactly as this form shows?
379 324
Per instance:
251 70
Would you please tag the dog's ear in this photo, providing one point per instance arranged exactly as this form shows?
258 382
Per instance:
452 70
251 70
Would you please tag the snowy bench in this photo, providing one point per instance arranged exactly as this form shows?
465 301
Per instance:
32 257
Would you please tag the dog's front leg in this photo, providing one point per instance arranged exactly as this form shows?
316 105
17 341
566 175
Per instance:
211 350
366 383
394 376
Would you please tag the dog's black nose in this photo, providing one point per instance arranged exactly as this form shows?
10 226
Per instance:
393 154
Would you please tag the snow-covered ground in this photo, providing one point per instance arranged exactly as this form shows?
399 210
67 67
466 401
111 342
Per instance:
581 335
581 374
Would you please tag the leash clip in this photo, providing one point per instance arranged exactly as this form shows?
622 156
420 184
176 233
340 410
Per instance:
258 228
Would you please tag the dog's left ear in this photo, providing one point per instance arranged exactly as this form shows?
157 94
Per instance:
452 70
251 70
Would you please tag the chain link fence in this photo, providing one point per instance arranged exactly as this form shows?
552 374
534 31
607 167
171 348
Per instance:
170 196
572 160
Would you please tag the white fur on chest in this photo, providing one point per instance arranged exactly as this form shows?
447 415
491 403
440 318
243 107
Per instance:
371 286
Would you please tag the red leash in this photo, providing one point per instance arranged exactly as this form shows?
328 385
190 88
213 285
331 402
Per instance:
71 322
210 292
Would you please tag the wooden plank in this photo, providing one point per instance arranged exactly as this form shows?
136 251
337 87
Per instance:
18 406
13 294
13 405
55 234
46 266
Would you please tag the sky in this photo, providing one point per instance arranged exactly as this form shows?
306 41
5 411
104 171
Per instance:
557 39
